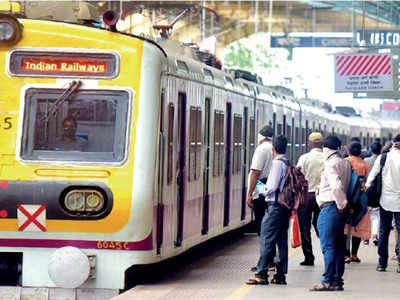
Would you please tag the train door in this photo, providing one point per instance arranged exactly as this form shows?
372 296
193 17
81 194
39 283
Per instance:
181 174
228 168
206 172
160 177
244 168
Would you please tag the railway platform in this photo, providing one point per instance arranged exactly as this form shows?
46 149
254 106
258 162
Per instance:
221 274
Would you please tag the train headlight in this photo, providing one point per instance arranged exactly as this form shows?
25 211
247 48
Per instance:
10 29
83 201
94 202
75 201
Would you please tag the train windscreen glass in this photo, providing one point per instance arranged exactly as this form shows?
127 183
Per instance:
88 126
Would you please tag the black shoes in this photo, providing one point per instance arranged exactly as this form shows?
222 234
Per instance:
307 263
279 280
380 268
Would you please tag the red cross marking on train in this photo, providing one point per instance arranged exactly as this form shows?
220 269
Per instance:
31 218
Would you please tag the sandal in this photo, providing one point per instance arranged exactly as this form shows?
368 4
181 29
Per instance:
347 259
355 259
322 287
256 280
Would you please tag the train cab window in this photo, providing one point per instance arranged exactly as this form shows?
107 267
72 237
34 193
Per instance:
170 145
237 144
218 143
195 143
89 126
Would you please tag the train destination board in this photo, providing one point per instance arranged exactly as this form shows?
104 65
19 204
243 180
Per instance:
60 64
363 73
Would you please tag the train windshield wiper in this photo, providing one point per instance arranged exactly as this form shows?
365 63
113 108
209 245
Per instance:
73 87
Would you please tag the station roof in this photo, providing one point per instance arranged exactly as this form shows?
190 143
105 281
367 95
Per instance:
232 20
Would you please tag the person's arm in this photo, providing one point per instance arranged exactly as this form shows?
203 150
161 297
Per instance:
274 177
336 185
254 175
374 171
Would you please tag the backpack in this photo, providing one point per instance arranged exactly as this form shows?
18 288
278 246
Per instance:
357 198
295 188
375 189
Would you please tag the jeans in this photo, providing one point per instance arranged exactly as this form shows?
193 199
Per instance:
274 232
385 218
331 227
308 214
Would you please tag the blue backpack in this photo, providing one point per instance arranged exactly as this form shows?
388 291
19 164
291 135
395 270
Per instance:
357 198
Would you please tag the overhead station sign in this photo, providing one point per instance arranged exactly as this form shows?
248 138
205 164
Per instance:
363 73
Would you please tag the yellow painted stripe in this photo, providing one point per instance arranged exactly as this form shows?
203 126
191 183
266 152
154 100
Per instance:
244 289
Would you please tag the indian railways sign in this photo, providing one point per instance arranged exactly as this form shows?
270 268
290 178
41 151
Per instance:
363 73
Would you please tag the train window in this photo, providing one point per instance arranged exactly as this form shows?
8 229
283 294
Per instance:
208 74
218 143
279 131
182 66
237 144
91 126
252 137
194 143
170 146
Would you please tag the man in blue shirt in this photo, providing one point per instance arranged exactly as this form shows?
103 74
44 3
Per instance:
275 223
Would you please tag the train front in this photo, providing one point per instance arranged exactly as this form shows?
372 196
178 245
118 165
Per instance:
77 159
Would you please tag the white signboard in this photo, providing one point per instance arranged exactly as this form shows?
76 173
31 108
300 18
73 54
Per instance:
31 217
363 73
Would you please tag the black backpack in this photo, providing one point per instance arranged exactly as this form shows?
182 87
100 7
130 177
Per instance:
375 189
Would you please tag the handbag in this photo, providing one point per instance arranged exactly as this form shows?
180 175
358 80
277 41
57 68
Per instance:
294 230
375 189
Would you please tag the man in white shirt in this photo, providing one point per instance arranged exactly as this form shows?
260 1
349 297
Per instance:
259 170
312 165
389 201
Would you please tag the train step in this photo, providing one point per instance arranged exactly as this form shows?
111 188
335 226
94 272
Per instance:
26 293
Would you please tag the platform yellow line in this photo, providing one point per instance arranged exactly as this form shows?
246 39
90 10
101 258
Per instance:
244 289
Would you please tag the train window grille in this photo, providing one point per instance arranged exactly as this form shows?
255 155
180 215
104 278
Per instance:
101 118
170 146
218 143
195 143
237 144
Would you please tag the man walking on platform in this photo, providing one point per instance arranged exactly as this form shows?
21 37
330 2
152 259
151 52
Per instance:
259 170
331 198
275 222
389 201
311 164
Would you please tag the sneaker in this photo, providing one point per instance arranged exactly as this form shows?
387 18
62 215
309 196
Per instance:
253 269
380 268
366 242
